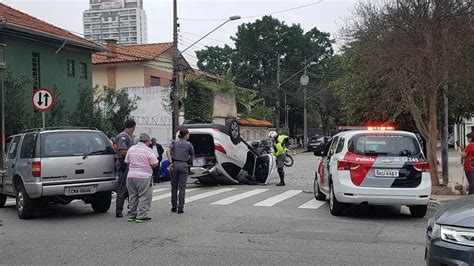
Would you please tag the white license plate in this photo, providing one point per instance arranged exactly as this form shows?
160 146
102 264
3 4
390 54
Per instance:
80 190
199 161
386 172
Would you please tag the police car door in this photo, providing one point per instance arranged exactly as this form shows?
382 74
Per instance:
331 160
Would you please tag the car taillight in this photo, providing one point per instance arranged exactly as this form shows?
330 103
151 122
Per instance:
347 165
36 169
220 148
422 166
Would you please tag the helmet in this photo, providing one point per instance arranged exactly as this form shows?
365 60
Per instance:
272 134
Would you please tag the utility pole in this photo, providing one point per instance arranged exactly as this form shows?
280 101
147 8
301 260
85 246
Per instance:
304 80
2 108
175 79
278 93
287 127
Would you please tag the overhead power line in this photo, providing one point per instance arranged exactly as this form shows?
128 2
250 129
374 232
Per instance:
255 16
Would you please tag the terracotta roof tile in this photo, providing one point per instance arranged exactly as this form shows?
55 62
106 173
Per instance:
130 53
250 122
12 17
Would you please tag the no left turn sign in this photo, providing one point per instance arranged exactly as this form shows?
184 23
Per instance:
43 100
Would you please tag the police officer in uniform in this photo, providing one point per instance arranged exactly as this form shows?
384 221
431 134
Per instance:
179 152
124 142
279 150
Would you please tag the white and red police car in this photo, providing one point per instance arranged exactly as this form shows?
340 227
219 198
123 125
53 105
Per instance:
376 166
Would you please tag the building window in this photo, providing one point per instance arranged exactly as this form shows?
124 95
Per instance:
70 68
35 63
83 70
155 81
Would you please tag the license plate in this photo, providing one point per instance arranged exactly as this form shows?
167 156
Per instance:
80 190
199 162
386 172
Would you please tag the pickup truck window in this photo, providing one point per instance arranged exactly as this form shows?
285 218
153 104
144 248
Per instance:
13 148
28 146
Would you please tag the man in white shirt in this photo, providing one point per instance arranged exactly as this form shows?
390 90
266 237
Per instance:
158 151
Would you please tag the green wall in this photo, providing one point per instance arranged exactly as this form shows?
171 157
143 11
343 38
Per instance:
53 70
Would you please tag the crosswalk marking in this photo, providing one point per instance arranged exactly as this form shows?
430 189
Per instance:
208 194
168 195
160 189
312 204
278 198
240 196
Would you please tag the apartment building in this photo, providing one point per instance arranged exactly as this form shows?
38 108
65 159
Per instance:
121 20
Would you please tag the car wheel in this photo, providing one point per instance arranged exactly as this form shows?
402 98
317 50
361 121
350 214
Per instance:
418 211
3 200
25 206
234 131
101 201
335 206
317 192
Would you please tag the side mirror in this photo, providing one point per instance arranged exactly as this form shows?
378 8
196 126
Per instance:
319 152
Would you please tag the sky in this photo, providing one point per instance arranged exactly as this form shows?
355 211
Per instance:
327 15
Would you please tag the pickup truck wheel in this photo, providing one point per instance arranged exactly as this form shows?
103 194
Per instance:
25 206
101 201
418 211
336 207
317 192
3 200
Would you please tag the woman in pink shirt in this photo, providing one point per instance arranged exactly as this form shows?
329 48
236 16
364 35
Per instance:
141 160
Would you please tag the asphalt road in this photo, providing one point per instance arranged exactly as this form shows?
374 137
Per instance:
267 225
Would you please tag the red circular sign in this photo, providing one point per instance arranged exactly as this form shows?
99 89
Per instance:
43 100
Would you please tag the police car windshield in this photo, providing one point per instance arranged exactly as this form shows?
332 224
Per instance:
384 145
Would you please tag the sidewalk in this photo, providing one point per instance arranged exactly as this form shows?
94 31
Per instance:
455 169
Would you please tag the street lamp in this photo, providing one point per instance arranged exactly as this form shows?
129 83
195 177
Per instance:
304 81
223 23
2 103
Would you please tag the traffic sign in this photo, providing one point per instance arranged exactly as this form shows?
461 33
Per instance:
43 100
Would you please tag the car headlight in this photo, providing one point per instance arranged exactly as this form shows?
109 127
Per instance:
458 235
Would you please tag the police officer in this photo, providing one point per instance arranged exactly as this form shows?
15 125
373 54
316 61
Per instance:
124 142
179 153
279 150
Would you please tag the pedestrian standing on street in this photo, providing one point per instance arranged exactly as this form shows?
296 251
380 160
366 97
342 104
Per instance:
141 161
468 155
124 142
158 151
179 153
280 143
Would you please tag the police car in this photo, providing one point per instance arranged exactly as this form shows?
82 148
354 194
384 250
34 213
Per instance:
376 166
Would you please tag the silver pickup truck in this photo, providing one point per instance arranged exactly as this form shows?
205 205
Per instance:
58 166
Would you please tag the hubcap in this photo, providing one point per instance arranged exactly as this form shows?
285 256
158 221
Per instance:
316 187
20 200
235 130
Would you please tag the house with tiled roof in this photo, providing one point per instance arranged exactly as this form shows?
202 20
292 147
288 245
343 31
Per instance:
52 57
144 65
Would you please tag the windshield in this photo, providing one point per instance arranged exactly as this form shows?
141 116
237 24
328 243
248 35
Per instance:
62 144
385 145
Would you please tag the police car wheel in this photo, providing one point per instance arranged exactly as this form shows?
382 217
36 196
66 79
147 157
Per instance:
418 211
335 206
317 192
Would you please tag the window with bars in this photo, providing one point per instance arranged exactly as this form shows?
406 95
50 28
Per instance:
35 64
70 68
82 70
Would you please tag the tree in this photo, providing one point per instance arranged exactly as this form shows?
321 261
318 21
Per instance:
407 51
254 60
199 102
18 109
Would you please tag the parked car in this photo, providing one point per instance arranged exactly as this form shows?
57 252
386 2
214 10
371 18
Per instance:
222 157
317 142
59 165
377 167
450 234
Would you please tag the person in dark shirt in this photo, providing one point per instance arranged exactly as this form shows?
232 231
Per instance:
158 151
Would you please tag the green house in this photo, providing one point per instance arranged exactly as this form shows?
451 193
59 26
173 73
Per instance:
52 57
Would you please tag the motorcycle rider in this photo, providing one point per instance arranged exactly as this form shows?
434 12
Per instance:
280 143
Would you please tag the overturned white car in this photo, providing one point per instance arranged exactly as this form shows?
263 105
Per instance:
222 157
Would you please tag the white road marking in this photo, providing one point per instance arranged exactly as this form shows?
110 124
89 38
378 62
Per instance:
404 210
208 194
240 196
312 204
168 195
278 198
160 189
